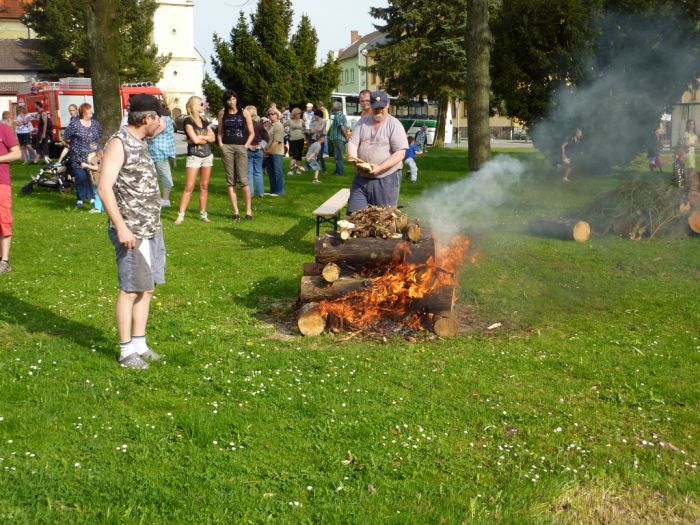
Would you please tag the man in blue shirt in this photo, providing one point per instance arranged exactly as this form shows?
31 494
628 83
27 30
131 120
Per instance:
162 149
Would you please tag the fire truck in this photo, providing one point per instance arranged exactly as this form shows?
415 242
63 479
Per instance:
57 96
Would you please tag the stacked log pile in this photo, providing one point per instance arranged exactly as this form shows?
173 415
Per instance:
377 271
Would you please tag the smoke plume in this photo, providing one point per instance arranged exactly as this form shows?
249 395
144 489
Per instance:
468 205
641 66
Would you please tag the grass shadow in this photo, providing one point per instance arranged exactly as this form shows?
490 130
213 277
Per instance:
292 240
37 319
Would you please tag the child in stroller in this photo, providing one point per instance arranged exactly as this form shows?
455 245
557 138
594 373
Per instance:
53 175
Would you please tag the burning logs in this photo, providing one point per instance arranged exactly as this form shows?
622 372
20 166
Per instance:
564 229
374 283
361 251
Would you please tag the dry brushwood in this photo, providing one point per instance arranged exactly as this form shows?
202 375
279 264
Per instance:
637 209
384 223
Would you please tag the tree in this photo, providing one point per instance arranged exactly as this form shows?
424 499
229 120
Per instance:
610 67
262 64
425 54
101 31
478 82
61 27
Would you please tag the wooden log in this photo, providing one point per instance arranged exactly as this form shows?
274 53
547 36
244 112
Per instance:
370 250
331 272
313 268
564 229
694 221
414 233
314 289
445 324
310 320
344 234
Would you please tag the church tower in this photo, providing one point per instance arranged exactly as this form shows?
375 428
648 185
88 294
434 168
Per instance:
173 32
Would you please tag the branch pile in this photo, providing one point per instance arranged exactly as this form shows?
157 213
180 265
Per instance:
382 223
640 208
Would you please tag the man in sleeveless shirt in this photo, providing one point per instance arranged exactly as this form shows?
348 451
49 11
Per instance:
129 191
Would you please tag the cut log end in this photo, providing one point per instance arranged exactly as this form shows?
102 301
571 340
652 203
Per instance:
310 320
694 221
331 272
445 325
413 233
582 231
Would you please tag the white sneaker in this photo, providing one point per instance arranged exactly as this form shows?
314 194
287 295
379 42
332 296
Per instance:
180 218
165 203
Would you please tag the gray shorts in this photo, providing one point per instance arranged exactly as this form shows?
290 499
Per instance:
378 192
141 268
163 170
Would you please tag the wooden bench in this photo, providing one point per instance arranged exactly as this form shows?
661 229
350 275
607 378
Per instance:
329 211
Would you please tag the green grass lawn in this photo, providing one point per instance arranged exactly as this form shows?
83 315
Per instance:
582 407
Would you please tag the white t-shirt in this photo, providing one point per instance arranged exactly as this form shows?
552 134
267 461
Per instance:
377 143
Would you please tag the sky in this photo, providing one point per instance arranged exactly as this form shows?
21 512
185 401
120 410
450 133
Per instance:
332 19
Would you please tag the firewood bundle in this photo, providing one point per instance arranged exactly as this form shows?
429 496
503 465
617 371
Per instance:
368 283
382 223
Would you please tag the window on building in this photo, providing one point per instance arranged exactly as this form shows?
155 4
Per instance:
352 75
347 77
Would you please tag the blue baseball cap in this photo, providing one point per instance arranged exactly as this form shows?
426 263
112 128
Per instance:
379 99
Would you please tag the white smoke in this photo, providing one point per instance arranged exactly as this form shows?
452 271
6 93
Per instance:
468 205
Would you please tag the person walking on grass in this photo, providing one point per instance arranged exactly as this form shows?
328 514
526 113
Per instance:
199 158
571 152
410 159
312 156
234 135
9 151
129 191
296 141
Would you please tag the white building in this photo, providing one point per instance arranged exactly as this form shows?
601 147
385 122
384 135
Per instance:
173 32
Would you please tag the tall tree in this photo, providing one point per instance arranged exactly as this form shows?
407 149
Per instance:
478 82
263 64
425 54
61 27
101 31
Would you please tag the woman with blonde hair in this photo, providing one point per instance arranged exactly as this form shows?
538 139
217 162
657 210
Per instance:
199 158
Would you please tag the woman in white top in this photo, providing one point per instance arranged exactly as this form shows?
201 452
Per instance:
24 129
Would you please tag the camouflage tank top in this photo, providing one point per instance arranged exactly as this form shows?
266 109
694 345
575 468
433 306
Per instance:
136 188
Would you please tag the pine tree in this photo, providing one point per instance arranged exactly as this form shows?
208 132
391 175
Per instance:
61 26
264 65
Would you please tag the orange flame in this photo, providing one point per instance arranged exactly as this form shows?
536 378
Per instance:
397 292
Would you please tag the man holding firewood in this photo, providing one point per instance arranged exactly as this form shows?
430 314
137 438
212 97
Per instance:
376 148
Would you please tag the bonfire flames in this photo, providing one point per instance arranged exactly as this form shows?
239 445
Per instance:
397 292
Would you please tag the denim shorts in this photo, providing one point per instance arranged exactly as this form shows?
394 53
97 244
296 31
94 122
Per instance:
199 162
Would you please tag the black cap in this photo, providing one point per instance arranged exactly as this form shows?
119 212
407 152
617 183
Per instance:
140 103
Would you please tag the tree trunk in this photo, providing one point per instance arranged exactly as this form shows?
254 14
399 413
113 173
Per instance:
102 33
564 229
442 122
478 82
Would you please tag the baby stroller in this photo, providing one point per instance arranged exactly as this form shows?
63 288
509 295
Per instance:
54 175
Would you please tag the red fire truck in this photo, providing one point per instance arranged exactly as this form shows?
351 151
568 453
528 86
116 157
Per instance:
57 96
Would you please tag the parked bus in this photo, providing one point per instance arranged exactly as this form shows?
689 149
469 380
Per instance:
412 115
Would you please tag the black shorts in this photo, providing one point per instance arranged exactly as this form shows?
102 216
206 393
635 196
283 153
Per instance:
24 139
295 148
